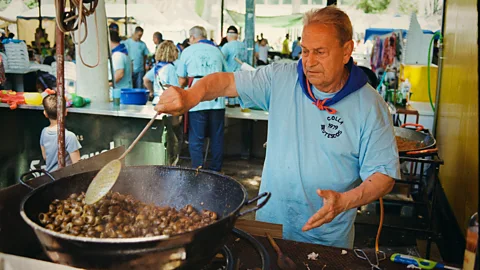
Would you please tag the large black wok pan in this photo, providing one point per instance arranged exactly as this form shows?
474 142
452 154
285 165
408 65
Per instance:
160 185
415 135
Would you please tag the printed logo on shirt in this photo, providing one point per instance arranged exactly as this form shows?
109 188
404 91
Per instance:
332 130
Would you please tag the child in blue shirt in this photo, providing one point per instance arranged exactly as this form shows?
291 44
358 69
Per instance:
49 138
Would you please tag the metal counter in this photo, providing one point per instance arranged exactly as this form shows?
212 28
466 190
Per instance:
99 127
142 111
104 108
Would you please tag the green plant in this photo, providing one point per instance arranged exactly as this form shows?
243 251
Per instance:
408 6
373 6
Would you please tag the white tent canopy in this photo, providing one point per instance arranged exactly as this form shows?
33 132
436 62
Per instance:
9 15
145 15
181 16
141 12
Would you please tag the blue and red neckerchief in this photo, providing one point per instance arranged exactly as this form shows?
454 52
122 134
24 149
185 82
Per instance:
356 80
121 48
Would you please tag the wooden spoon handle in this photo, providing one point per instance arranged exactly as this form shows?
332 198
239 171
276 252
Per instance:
274 245
139 136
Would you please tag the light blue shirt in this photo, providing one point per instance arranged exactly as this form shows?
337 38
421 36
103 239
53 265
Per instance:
49 140
234 49
201 59
167 75
122 61
137 50
297 50
310 149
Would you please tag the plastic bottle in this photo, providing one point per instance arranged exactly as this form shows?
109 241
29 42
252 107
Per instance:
406 92
469 262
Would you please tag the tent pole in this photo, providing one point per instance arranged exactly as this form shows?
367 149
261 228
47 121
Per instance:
250 31
126 18
60 51
221 18
40 14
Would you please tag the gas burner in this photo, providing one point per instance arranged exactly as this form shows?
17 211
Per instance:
242 251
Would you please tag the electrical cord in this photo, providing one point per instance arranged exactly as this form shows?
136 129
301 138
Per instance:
69 21
437 34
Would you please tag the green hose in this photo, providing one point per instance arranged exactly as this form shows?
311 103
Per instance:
428 67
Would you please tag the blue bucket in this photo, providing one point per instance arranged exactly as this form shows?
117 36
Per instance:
134 96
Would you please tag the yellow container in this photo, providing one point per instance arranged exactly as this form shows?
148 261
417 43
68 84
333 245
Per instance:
417 75
33 98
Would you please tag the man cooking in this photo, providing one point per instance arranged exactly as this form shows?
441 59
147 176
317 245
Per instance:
331 146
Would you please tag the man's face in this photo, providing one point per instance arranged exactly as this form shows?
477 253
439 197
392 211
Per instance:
263 42
156 41
323 57
138 35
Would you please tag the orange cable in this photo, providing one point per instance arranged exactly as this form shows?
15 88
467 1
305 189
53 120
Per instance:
377 239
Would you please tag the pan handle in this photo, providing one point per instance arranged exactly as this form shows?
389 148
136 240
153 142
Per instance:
426 151
418 126
20 179
267 196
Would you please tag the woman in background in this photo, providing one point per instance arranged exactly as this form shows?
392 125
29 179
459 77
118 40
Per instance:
164 71
159 78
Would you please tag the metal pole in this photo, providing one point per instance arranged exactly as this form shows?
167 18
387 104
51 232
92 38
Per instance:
40 14
439 85
60 50
221 17
110 59
126 18
250 31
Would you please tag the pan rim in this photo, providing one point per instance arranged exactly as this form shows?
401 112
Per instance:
432 145
36 227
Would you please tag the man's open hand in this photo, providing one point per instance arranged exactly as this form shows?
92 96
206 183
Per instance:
333 204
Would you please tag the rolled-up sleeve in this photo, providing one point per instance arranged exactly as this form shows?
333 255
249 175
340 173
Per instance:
378 148
255 87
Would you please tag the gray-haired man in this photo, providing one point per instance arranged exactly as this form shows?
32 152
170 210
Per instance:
200 59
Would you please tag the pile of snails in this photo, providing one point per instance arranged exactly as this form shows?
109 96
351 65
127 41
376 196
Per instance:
121 216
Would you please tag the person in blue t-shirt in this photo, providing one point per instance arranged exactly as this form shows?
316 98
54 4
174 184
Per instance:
200 59
122 64
49 138
231 50
297 49
138 52
164 72
331 144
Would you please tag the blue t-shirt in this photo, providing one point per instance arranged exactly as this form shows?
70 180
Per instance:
310 149
297 50
234 49
137 50
199 60
122 61
49 140
167 75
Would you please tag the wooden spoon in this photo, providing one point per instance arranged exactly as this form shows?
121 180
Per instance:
284 262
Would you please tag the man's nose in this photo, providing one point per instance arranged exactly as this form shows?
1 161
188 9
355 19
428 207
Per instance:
310 60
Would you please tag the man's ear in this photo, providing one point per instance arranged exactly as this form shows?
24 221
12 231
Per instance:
347 51
45 113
